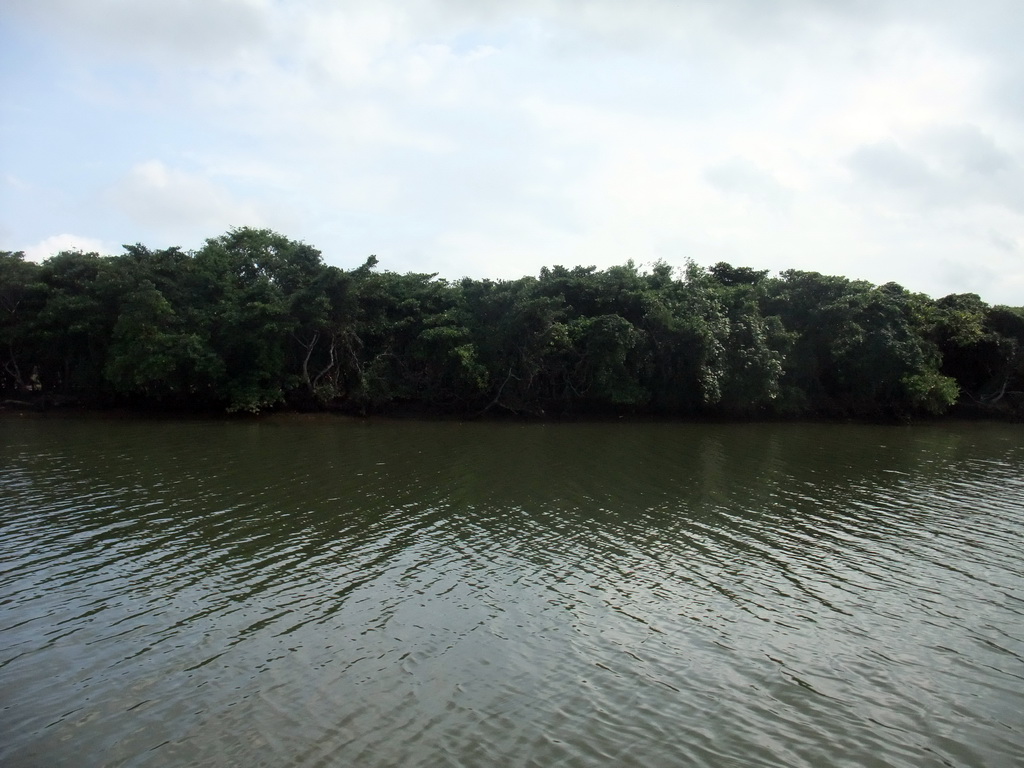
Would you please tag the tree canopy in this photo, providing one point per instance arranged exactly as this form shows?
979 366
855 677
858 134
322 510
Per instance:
255 321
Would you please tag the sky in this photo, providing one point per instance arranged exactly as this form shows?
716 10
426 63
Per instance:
875 139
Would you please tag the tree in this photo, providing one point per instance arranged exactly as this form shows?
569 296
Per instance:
153 357
74 324
254 320
21 296
249 281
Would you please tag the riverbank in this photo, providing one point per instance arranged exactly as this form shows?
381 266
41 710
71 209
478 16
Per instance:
38 404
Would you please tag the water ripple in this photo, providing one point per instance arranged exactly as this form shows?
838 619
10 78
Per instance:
334 593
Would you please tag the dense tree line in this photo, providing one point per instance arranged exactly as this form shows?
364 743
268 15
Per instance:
254 320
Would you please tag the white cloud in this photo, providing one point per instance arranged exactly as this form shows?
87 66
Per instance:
739 176
966 149
887 164
51 246
172 201
956 167
15 183
188 31
489 138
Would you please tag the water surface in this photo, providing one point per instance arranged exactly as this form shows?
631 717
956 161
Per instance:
325 592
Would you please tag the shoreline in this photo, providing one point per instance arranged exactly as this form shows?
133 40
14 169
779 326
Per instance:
960 413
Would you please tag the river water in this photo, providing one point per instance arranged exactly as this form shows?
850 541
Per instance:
328 592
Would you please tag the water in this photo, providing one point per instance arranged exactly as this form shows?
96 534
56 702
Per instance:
324 592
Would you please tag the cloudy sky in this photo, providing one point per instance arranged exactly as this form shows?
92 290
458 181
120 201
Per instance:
876 139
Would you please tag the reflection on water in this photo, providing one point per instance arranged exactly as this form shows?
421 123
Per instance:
324 592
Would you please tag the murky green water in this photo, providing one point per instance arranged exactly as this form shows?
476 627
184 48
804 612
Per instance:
321 592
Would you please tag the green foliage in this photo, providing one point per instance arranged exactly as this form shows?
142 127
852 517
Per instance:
73 327
21 296
729 275
931 392
153 356
254 320
605 369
